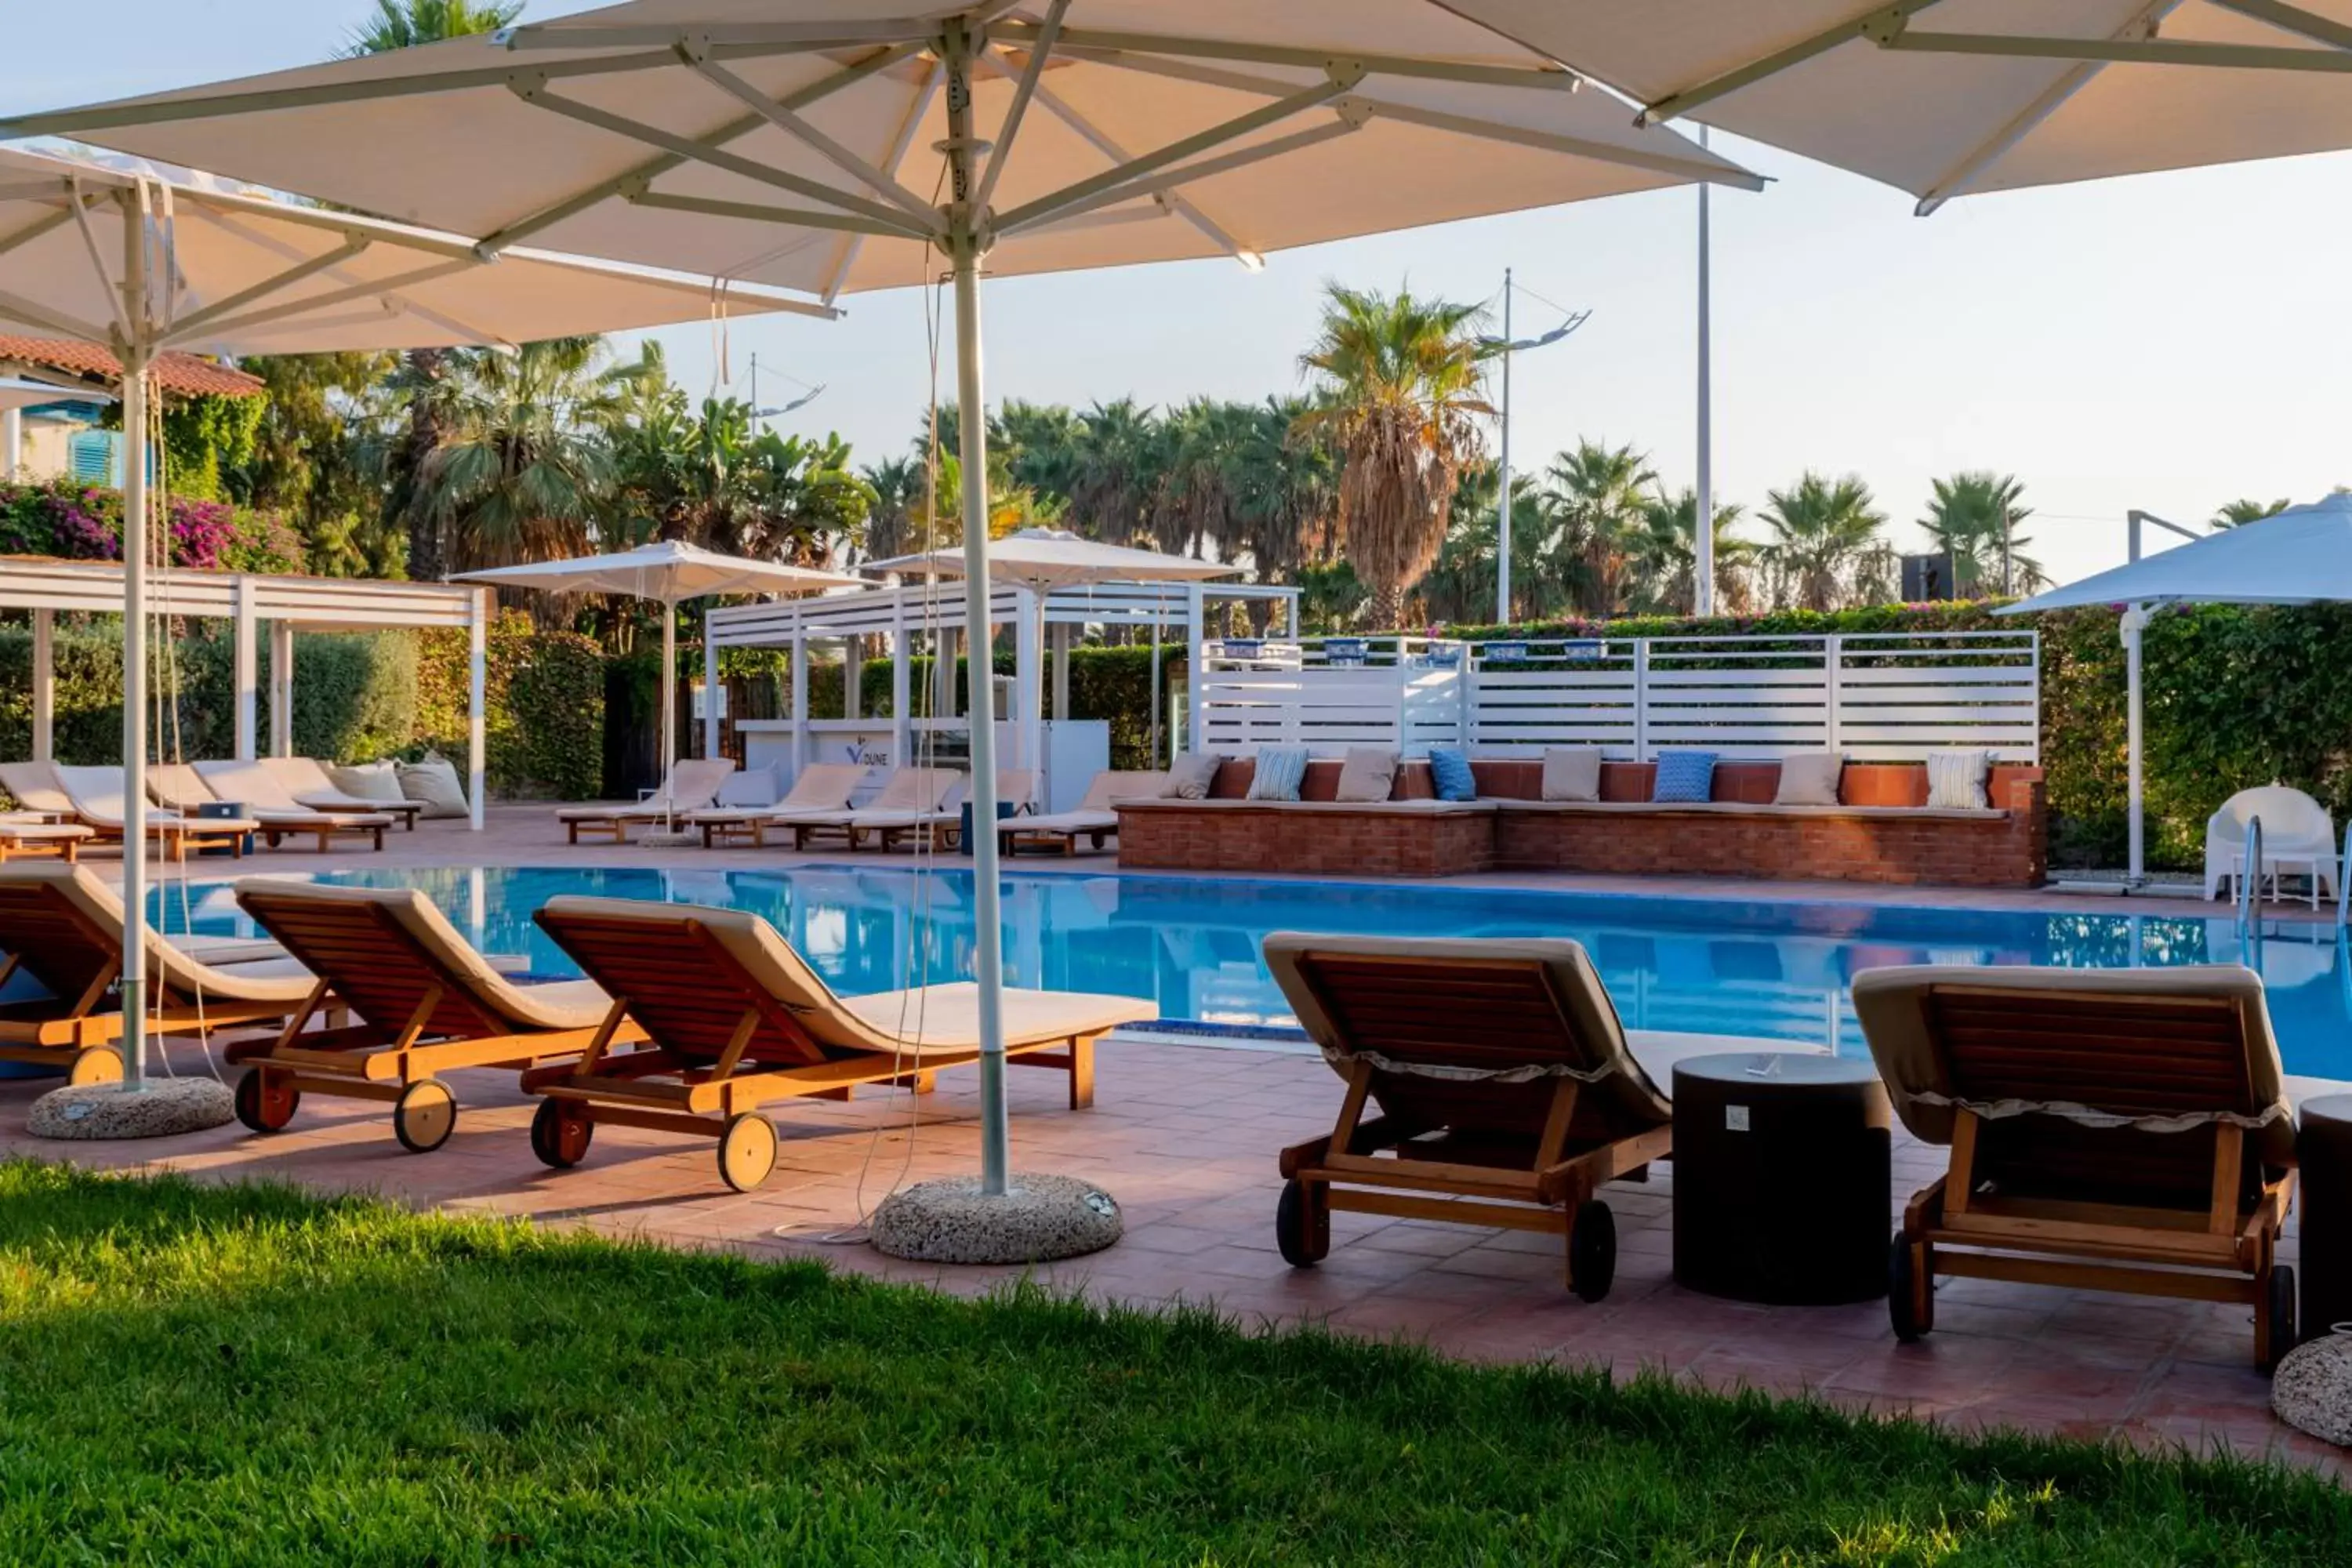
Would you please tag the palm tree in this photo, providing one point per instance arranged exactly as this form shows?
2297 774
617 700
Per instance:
1114 472
1400 378
2237 514
897 484
400 24
1596 497
1824 534
1972 520
1662 558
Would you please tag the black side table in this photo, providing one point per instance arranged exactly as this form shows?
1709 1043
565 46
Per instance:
1782 1177
2323 1149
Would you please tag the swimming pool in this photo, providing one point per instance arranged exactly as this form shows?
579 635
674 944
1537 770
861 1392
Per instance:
1703 965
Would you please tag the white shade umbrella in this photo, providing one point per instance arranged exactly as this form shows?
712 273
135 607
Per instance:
140 264
1951 98
832 145
671 572
2300 556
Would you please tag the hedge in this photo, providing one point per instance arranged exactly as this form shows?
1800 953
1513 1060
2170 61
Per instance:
544 690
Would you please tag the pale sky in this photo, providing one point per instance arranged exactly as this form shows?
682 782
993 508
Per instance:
2170 341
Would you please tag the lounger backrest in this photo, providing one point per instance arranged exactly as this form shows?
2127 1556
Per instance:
67 927
1442 1018
825 786
916 789
689 974
300 775
2190 1042
178 787
693 784
1112 786
383 950
96 791
249 784
1016 787
35 786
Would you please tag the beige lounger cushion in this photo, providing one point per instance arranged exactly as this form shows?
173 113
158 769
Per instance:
178 972
34 786
266 800
1113 785
563 1005
1592 1016
43 832
692 787
1891 1004
938 1019
179 787
312 786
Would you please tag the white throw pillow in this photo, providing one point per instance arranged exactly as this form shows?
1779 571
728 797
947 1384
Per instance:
433 784
1368 774
1810 778
1956 779
1571 773
369 781
1191 777
1280 771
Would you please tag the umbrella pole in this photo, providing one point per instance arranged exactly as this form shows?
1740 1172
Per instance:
136 355
971 420
669 714
2135 623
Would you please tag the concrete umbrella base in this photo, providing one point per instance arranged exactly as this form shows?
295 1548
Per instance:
1037 1220
108 1111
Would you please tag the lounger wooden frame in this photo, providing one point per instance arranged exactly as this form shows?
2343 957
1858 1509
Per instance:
707 1087
37 846
445 1029
1958 1227
1418 1160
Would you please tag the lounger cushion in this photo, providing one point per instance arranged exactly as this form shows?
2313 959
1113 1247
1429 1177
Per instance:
35 787
1114 785
1891 1004
433 784
754 786
1367 773
177 971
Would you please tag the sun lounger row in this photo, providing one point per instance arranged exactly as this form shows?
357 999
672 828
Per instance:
689 1018
271 797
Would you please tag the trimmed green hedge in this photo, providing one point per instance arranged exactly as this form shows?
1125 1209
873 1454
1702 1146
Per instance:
544 736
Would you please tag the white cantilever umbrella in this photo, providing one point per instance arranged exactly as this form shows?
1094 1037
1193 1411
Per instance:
833 145
671 572
2301 557
140 264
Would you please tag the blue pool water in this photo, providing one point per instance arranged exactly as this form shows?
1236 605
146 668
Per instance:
1703 965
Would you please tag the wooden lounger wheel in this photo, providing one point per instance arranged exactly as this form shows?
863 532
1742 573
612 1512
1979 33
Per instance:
560 1133
1593 1250
1302 1226
424 1116
747 1150
95 1065
266 1102
2281 1301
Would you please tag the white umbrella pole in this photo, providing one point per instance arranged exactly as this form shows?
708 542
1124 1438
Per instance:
971 419
670 710
1703 519
2134 623
135 356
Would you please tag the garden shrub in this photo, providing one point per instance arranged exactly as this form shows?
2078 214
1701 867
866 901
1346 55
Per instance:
84 522
544 691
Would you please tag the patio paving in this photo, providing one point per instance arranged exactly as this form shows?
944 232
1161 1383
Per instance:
1185 1135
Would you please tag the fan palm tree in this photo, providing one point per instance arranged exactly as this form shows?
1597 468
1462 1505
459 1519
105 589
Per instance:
403 25
1401 395
897 484
1596 497
1114 472
2237 514
1972 519
1661 559
1825 534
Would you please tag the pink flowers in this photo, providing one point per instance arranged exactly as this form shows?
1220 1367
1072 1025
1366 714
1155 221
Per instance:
85 524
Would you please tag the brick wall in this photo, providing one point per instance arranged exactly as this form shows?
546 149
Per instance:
1332 843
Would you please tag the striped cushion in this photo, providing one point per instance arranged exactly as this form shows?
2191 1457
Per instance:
1280 771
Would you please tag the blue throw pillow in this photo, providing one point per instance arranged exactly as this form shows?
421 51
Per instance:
1450 771
1684 777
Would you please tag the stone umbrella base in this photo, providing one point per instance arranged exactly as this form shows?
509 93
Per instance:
1036 1220
108 1111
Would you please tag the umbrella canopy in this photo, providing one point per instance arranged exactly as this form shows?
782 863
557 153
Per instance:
18 394
1045 558
667 570
244 274
1947 98
2301 557
774 140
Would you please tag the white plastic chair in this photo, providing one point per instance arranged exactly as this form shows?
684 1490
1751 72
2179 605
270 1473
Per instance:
2297 835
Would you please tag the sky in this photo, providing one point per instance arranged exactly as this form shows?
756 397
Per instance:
2168 342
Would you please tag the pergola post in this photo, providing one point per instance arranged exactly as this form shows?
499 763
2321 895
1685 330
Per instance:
1061 634
943 660
1195 636
477 671
245 662
12 441
710 724
902 713
281 687
853 676
800 703
45 685
1028 678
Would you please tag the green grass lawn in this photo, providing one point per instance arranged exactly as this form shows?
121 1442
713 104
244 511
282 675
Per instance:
193 1375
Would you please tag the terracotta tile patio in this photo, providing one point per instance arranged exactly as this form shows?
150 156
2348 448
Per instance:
1185 1136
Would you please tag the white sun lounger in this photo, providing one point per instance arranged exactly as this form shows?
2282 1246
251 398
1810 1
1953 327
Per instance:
821 790
280 815
311 785
692 787
910 797
1093 817
93 797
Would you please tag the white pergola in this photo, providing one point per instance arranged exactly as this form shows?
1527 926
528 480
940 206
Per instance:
46 586
934 613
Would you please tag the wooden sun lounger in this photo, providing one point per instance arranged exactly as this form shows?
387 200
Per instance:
38 840
310 786
276 811
909 803
823 789
91 798
2008 1066
64 927
1410 1024
736 1019
692 787
421 1002
1092 819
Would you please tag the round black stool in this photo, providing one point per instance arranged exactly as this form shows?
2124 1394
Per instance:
1782 1175
2323 1146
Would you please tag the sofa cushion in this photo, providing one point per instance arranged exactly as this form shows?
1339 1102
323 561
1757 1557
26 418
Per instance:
1451 769
1956 779
1191 777
1683 777
1571 773
1809 778
1280 771
1367 773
